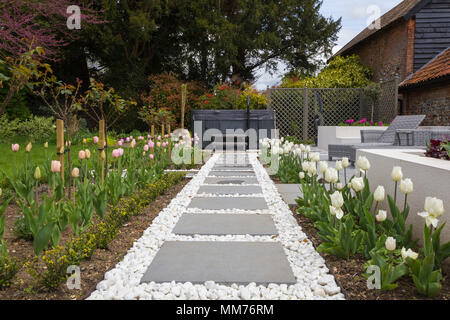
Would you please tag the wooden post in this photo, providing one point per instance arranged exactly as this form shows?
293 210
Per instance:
153 132
305 114
101 145
60 144
169 139
183 103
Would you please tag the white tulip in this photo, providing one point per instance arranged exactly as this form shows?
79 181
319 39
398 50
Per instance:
323 166
406 186
336 212
381 216
337 200
302 147
307 149
305 166
409 254
331 175
390 244
396 174
312 170
339 166
345 162
357 184
339 186
315 156
379 194
363 163
434 208
301 174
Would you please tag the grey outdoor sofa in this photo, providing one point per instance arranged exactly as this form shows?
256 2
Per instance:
373 140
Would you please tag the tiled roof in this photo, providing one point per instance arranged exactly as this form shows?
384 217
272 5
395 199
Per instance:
401 10
437 68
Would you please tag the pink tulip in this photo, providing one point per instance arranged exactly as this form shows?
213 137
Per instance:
75 172
159 137
148 136
140 138
128 139
164 144
151 156
15 147
151 144
176 145
120 152
55 166
146 147
95 139
119 143
115 153
82 155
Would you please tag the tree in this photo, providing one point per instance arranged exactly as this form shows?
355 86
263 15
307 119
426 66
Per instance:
341 72
41 21
203 40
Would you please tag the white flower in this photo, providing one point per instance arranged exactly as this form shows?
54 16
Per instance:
381 216
434 208
307 149
305 165
336 212
302 147
379 194
331 175
339 166
315 156
406 186
312 170
337 200
301 174
409 254
345 162
357 184
363 163
396 174
323 166
339 186
390 244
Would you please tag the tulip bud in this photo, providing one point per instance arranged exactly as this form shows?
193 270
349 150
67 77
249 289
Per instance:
357 184
331 175
151 156
339 186
363 163
406 186
381 216
46 145
379 194
323 166
37 173
103 155
409 254
301 174
95 139
345 162
1 192
84 141
88 153
75 173
396 174
28 147
339 166
390 244
15 147
55 166
337 200
81 155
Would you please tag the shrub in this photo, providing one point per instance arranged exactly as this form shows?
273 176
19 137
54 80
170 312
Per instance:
37 129
8 269
8 128
56 262
439 149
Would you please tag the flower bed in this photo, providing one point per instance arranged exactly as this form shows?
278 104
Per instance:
65 220
439 149
350 222
363 122
342 134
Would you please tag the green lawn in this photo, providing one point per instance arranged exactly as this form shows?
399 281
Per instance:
10 161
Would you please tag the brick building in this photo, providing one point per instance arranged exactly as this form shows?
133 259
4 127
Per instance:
410 35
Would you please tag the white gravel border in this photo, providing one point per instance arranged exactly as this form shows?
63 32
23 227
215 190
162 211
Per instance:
313 278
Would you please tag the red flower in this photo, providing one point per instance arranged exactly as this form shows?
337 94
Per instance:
225 99
209 95
206 102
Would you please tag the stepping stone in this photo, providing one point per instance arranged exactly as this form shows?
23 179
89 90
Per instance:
223 224
231 173
227 180
290 192
237 168
229 189
223 262
221 203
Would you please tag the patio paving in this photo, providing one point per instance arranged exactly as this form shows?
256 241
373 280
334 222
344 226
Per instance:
222 262
228 180
289 192
226 190
223 203
214 173
223 224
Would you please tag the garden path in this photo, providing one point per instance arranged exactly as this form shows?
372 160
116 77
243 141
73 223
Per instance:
227 235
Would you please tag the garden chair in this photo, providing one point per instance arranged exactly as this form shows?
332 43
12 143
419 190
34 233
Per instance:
376 139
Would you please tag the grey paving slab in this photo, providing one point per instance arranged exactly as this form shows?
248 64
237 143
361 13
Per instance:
221 203
223 224
289 192
238 168
222 262
214 173
229 189
228 180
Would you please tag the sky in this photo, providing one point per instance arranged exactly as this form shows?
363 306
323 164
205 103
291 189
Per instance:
356 16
